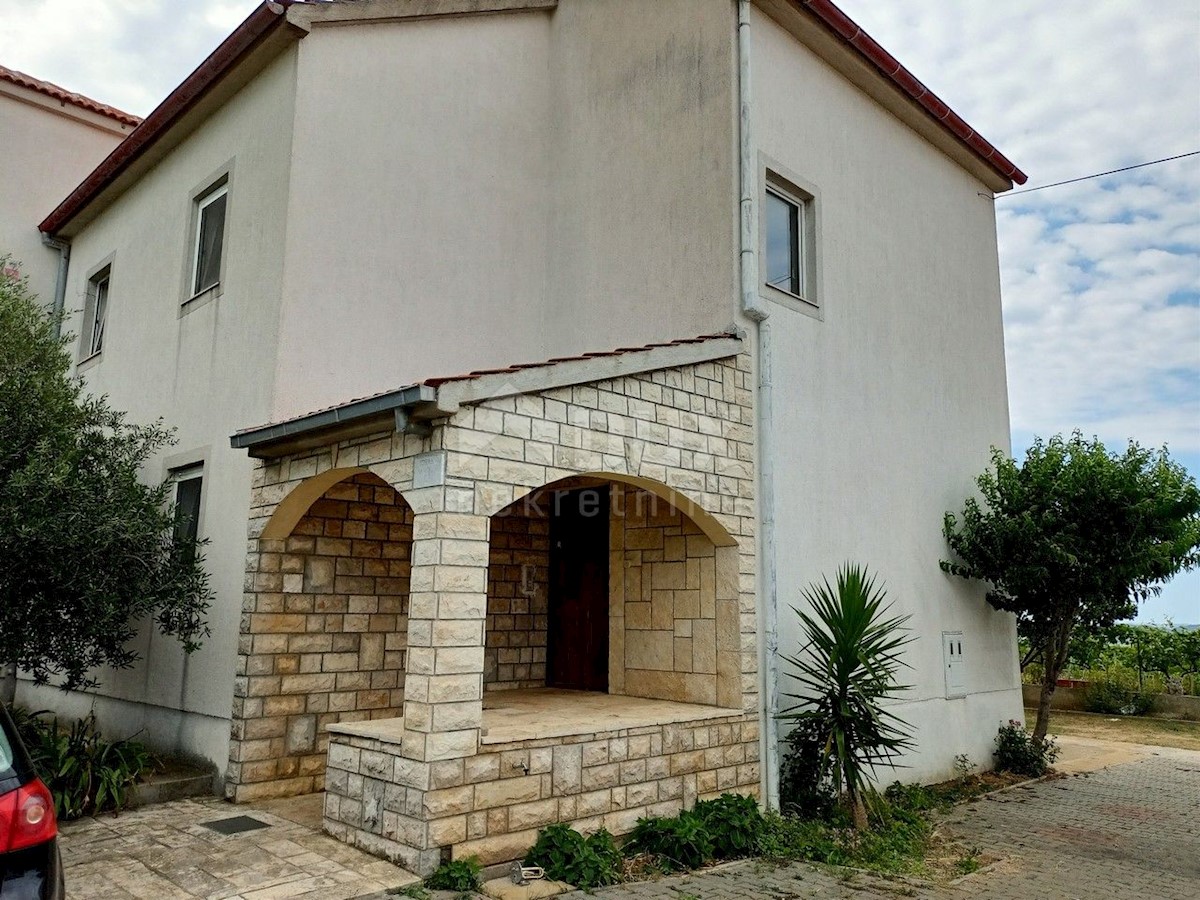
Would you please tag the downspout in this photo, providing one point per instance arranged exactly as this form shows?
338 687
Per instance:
60 283
755 308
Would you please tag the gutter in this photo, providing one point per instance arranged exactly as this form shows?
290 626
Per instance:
60 280
757 310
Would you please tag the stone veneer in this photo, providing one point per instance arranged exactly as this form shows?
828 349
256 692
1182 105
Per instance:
326 635
684 434
491 805
518 581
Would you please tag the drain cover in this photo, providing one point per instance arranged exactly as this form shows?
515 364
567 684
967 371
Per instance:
235 825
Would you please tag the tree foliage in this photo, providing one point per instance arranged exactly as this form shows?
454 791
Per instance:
87 550
846 669
1074 538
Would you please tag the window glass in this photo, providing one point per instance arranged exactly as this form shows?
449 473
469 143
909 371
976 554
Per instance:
210 234
187 511
782 256
99 313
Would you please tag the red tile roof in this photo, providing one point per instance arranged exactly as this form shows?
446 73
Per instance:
62 95
268 16
869 49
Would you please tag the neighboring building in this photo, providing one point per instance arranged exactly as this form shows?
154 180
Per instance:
362 199
52 139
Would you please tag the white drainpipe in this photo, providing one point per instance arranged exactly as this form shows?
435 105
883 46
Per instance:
756 308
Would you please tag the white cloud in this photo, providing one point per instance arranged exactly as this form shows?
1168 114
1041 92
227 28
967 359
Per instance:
1101 279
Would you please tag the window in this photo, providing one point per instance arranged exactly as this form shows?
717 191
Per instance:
785 250
188 483
209 226
95 312
789 244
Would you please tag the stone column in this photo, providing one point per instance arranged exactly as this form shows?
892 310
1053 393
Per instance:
443 685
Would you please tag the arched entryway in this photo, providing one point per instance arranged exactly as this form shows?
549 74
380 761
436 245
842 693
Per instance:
602 583
326 636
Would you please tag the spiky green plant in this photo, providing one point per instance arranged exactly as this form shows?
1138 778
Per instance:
847 666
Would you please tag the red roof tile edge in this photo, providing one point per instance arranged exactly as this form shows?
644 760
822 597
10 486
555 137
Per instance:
64 96
867 47
516 367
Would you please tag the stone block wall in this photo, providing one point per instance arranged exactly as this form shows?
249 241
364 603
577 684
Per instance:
518 588
491 805
674 605
325 636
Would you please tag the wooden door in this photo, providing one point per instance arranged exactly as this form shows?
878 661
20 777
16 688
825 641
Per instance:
577 643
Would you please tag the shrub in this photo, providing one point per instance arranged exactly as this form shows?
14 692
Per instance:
679 842
805 786
844 673
566 855
1017 751
734 824
461 875
85 773
1115 699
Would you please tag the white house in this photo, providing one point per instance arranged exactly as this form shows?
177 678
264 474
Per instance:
52 138
622 322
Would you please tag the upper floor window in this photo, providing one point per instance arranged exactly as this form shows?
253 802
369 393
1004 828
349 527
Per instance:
95 312
789 244
209 227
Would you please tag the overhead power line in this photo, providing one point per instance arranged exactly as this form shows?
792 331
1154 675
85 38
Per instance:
1153 162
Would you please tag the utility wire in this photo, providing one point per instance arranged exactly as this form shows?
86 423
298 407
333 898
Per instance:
1153 162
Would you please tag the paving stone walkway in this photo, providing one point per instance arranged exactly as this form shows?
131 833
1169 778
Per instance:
164 852
1130 831
1127 832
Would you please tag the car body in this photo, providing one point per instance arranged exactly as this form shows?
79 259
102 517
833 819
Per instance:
30 862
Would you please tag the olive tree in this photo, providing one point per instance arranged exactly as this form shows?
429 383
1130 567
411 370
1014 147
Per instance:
1074 538
88 550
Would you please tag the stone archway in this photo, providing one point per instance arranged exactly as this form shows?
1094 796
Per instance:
324 637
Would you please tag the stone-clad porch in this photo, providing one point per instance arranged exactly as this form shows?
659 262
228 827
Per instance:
382 645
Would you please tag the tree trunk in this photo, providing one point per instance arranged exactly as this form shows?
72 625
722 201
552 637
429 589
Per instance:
8 684
1054 658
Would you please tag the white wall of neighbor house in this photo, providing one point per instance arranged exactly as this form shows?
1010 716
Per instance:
506 188
206 369
49 147
888 400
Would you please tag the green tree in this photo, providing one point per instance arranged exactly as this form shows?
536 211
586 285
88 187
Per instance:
87 550
846 669
1074 538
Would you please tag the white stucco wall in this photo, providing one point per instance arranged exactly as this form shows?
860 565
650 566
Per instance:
886 406
506 188
48 149
206 373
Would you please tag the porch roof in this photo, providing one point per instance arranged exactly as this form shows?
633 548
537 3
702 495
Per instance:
410 408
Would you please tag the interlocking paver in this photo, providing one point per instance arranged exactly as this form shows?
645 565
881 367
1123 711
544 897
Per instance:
164 851
1127 832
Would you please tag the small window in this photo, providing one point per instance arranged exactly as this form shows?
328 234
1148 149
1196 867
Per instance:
789 239
95 312
210 238
785 250
188 484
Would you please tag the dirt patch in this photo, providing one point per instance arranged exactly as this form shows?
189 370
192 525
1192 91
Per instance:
1124 729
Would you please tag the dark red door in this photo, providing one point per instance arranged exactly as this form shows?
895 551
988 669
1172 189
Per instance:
577 645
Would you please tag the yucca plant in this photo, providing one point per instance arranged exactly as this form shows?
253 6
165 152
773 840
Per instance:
847 665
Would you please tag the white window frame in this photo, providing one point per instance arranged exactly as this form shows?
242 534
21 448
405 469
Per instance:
202 202
100 275
805 198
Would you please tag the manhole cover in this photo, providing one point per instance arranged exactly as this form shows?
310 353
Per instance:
235 825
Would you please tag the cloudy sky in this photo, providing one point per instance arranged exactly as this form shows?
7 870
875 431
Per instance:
1101 279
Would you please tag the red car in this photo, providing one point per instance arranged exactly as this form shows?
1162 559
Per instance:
30 863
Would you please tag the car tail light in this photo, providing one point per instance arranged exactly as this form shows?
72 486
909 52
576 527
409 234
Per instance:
27 817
